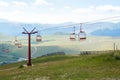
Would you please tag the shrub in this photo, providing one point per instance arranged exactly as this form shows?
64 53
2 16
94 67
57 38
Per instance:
21 66
117 56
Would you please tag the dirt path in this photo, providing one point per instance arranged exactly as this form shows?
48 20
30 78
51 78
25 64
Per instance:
9 69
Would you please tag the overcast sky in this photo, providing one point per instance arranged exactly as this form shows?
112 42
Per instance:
58 11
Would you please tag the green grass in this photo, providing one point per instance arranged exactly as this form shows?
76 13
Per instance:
65 67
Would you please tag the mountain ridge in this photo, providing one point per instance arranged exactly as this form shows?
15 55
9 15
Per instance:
13 28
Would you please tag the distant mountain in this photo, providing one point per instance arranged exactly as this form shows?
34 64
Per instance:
99 28
107 32
16 29
113 29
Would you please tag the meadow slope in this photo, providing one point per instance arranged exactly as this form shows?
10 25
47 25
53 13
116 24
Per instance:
65 67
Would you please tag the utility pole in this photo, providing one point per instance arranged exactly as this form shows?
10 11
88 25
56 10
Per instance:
29 44
114 45
116 48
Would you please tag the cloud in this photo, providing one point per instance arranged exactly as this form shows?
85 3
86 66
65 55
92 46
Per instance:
83 10
4 4
96 12
67 7
42 2
52 14
97 9
108 8
52 8
10 15
19 4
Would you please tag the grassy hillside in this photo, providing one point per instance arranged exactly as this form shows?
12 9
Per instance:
66 67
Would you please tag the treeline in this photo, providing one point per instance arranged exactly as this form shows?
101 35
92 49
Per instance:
97 52
55 53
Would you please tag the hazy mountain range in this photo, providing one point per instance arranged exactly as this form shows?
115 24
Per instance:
98 28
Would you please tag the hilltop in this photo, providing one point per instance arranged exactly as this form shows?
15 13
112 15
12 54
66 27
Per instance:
65 67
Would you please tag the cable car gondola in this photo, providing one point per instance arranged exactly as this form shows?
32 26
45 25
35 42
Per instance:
5 50
38 37
20 45
81 34
73 35
16 41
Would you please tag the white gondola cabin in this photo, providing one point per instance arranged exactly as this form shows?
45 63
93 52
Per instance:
81 34
38 37
5 50
19 45
16 41
73 35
